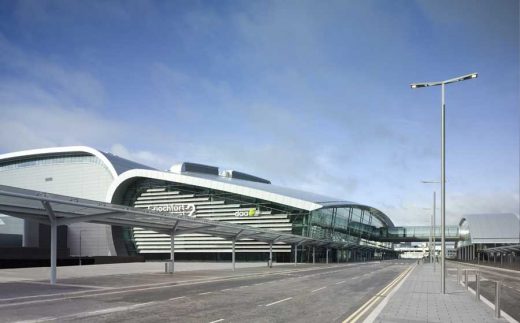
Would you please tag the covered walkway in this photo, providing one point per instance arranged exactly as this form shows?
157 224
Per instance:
55 210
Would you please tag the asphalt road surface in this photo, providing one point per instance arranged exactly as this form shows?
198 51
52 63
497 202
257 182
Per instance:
293 294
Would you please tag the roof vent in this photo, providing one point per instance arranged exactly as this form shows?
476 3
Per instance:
244 176
194 168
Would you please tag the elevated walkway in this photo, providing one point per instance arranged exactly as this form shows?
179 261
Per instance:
419 234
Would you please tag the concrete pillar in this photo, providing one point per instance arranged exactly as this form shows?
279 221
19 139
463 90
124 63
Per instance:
31 234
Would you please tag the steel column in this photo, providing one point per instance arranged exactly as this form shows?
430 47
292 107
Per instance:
233 253
295 254
172 252
271 255
327 256
443 193
54 249
434 234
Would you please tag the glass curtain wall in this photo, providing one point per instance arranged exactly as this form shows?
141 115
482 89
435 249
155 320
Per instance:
346 224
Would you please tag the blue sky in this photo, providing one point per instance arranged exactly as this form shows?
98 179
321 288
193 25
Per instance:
310 94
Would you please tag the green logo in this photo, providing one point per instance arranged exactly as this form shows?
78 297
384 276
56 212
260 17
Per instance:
252 212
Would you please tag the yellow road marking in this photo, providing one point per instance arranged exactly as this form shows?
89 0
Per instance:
365 307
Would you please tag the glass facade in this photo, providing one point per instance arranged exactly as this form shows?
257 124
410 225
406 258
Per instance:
344 223
420 233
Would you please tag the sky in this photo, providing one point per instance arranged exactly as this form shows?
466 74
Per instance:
313 95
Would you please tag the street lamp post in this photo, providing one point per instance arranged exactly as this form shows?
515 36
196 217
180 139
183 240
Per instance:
434 216
443 163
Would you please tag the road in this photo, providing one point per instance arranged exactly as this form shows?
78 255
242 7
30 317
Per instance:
310 294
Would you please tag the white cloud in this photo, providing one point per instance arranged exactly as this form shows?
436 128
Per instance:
143 156
44 104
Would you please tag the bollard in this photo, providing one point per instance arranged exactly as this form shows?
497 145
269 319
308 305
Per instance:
466 283
497 299
458 275
477 288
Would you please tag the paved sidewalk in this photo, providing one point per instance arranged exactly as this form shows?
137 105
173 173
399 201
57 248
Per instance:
419 299
64 272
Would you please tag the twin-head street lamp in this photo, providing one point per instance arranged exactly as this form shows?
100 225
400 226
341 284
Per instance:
443 163
453 80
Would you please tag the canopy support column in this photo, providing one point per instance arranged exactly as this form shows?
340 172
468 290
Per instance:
172 252
233 252
54 240
295 253
271 254
327 256
172 248
54 250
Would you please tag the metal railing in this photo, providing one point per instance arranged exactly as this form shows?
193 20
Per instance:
476 272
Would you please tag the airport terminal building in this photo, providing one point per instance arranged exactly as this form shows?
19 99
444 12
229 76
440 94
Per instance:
187 189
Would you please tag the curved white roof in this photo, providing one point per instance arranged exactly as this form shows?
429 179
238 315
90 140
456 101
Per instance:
277 194
115 164
493 228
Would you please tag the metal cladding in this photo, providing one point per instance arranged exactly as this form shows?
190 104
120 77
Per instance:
491 228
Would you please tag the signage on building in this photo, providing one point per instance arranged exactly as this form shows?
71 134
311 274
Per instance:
250 212
175 209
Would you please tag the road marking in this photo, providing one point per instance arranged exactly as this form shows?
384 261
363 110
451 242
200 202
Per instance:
355 277
226 289
97 312
25 300
319 289
217 321
206 293
341 282
282 300
382 293
172 299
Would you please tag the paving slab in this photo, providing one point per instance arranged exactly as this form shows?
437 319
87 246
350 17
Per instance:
419 299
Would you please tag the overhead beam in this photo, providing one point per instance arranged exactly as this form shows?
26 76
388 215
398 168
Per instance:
87 218
35 218
50 211
197 229
133 224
